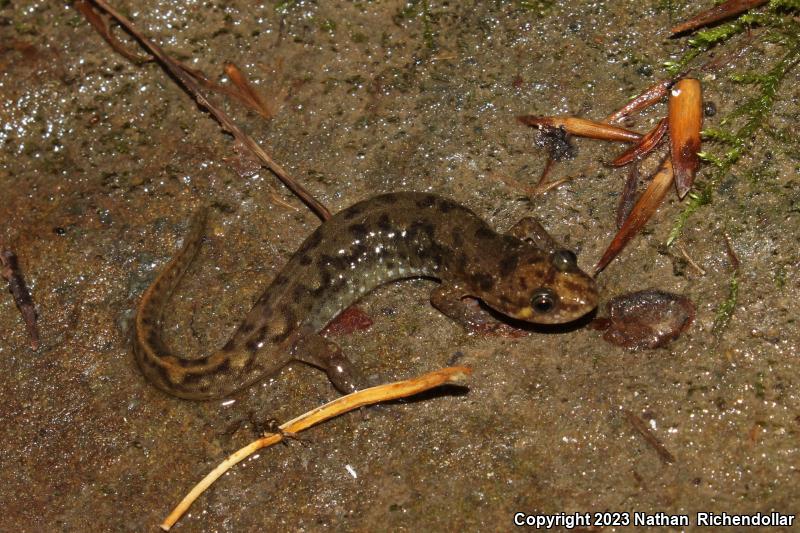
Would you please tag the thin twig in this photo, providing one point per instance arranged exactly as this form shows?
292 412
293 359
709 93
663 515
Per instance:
193 88
527 190
628 197
691 261
732 257
381 393
545 172
717 13
100 23
547 187
648 436
19 291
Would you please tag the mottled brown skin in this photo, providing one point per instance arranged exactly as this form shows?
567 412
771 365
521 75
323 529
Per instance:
523 275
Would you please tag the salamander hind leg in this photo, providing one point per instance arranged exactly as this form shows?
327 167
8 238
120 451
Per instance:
316 350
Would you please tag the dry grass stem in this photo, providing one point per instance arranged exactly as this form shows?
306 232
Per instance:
372 395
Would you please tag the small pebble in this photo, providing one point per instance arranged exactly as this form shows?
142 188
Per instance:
646 319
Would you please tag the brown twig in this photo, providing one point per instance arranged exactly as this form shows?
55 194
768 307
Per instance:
582 127
102 26
648 97
19 291
193 88
527 190
649 437
547 187
545 172
628 196
691 261
644 208
717 13
381 393
732 257
648 143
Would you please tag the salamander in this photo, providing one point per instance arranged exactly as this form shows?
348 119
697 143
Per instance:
522 274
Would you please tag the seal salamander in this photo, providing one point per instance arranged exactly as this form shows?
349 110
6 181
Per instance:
522 274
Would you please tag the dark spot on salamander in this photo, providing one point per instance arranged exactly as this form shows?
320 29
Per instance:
311 242
289 319
246 327
324 284
484 282
435 257
338 263
510 241
426 201
193 363
281 280
154 341
358 250
354 211
484 233
384 223
281 336
445 205
358 231
305 260
507 265
166 376
298 292
457 237
386 199
433 253
191 377
420 228
573 287
249 365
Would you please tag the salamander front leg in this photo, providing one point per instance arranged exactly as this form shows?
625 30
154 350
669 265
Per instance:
529 229
451 301
315 350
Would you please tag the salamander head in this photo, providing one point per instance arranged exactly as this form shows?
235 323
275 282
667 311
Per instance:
543 288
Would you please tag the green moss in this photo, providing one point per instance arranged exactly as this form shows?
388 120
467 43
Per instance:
780 277
420 9
727 307
541 7
358 38
734 136
328 26
283 7
758 387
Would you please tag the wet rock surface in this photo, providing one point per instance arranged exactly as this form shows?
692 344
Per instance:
102 163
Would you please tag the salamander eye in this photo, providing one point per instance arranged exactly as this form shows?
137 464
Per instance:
564 260
543 301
